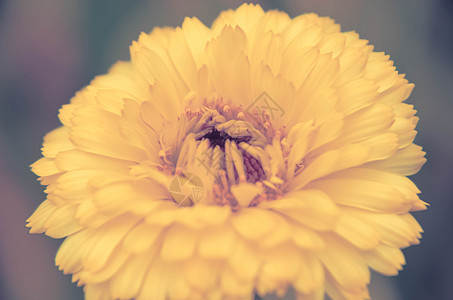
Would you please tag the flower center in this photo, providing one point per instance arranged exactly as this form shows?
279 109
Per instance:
227 144
252 166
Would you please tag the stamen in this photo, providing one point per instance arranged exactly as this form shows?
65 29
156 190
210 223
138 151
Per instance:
238 162
260 156
187 150
226 109
215 159
229 163
223 179
253 168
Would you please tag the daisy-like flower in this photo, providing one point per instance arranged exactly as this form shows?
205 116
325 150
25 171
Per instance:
256 155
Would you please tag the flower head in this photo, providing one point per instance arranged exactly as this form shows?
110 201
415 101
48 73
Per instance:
262 153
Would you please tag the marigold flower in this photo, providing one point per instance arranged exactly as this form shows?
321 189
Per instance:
256 155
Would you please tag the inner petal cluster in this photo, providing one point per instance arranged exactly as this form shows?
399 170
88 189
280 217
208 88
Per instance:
229 143
252 166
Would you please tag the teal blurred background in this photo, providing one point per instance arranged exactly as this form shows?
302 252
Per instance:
49 49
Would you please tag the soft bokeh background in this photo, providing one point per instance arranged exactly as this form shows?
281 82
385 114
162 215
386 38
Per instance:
51 48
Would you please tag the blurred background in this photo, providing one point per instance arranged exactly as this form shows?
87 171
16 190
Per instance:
49 49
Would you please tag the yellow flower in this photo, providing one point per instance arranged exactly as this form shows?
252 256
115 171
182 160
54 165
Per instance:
256 155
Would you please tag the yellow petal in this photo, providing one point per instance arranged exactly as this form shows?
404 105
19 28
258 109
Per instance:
367 122
382 70
211 215
232 45
364 194
45 167
141 238
245 193
179 243
316 295
39 217
61 222
356 95
308 37
297 67
73 185
200 274
406 161
97 131
310 278
405 130
114 263
196 35
119 196
281 264
154 285
88 215
393 229
396 181
244 261
235 288
358 232
182 59
110 100
107 239
318 211
127 282
336 291
150 58
382 146
96 292
344 263
385 259
322 75
178 288
396 94
217 242
76 159
332 43
352 63
267 51
247 15
306 238
412 222
330 162
56 141
328 131
299 138
252 223
281 233
71 251
121 77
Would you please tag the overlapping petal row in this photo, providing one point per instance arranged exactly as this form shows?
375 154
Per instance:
346 211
